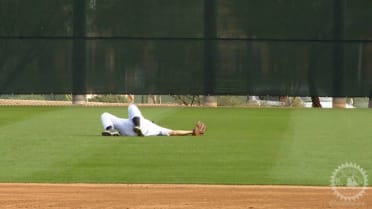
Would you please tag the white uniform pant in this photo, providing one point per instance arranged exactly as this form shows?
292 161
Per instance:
125 125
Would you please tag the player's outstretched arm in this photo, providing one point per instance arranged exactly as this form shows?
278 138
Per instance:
180 133
200 129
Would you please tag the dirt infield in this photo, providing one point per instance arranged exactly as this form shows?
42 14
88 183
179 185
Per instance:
144 196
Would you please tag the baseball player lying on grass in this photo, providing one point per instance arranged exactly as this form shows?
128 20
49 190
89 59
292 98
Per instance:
137 125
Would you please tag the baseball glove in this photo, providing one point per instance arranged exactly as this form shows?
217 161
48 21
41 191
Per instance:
200 129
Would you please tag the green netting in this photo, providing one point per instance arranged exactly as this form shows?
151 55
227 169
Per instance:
287 47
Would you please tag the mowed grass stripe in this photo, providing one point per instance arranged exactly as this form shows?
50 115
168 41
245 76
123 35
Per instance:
242 146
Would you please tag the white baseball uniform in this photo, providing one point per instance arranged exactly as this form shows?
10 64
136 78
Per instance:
125 125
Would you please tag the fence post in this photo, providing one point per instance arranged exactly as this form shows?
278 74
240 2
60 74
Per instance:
78 52
338 54
210 51
339 102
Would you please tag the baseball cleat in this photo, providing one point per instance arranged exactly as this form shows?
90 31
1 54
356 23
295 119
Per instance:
138 131
110 132
200 129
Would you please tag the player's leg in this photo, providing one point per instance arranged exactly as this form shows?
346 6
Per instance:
108 120
135 115
134 111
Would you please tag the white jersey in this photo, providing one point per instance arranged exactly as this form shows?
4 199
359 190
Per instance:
125 125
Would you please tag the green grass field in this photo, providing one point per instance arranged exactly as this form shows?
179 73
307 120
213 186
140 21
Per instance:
242 146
